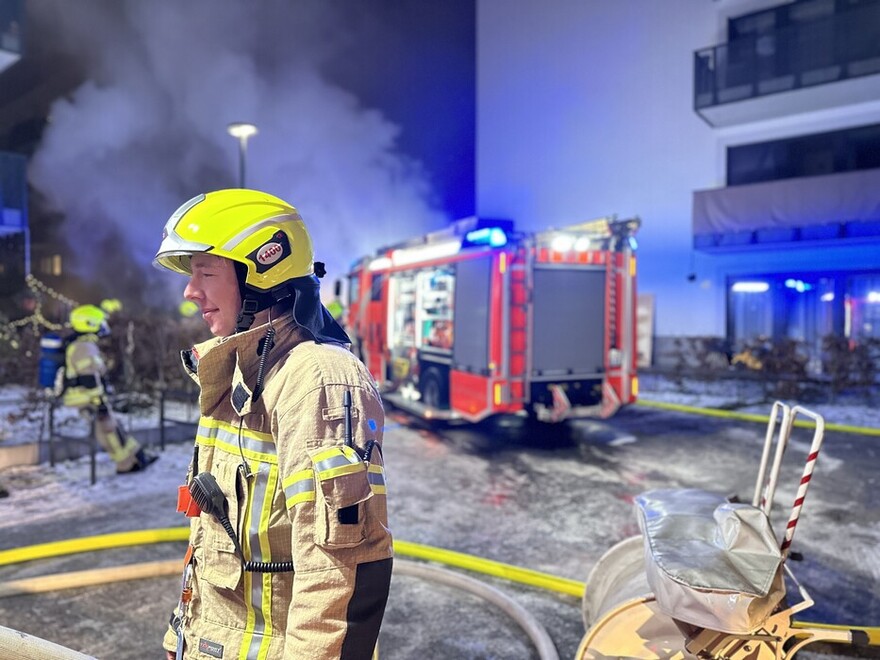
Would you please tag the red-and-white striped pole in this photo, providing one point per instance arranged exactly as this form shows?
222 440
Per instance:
807 475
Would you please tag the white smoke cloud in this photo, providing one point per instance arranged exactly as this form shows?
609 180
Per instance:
147 131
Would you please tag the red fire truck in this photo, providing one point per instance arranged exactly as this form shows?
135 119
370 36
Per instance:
479 319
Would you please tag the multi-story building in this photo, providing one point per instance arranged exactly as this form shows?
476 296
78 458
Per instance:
590 108
793 98
13 187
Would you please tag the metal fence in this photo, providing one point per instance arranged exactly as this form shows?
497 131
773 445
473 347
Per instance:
55 444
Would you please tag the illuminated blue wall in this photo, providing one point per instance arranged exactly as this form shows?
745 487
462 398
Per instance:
584 108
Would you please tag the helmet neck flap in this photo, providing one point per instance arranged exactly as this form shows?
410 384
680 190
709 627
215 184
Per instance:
306 307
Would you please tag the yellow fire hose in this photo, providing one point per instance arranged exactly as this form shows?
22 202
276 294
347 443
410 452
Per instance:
154 569
404 548
751 417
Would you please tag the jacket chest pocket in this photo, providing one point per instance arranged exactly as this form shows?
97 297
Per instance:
221 564
343 485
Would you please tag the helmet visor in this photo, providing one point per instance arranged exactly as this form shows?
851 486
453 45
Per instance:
174 254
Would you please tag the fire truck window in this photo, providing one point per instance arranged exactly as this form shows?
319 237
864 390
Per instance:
401 325
436 290
401 311
354 289
376 290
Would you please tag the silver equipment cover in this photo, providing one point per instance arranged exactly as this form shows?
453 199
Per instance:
711 563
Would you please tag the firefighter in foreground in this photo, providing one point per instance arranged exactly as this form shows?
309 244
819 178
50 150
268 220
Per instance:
85 388
290 552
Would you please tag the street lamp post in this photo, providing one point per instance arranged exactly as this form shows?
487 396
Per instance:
242 131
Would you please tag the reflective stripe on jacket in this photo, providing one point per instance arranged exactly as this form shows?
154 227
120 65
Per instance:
285 503
83 360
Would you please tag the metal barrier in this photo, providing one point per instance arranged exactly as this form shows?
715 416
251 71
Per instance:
52 445
164 419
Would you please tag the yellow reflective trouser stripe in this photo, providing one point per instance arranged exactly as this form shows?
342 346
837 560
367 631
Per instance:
376 475
258 586
116 449
79 396
299 487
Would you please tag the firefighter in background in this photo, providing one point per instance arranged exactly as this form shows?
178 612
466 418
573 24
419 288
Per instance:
336 310
335 306
84 388
290 555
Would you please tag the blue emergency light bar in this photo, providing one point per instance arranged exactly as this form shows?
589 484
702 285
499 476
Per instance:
491 236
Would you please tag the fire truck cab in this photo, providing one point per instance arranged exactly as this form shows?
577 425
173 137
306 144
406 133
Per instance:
479 319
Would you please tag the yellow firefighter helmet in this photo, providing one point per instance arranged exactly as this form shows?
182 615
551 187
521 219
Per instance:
256 229
89 319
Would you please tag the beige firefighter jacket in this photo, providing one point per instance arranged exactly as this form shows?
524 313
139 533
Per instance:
285 503
84 370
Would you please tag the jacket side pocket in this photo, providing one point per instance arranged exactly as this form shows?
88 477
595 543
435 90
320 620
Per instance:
343 485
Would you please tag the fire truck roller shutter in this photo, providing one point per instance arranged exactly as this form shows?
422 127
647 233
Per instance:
568 334
569 323
470 351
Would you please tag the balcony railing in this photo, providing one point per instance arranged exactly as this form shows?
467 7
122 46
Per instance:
838 47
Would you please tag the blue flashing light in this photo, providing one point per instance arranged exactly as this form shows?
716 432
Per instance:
491 236
497 237
798 285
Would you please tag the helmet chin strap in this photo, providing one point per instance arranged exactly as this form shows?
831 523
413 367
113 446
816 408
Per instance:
249 308
252 303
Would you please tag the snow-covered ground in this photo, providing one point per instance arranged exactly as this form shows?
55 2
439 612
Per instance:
24 417
507 505
24 420
747 396
64 485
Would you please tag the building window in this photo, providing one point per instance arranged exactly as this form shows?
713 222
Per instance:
51 265
803 308
376 287
750 310
809 155
863 307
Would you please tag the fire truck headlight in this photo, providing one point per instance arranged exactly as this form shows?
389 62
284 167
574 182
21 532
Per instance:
562 243
582 244
614 358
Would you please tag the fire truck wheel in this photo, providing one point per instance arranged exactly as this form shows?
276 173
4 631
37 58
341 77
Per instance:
434 387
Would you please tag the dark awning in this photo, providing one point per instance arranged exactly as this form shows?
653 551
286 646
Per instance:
842 206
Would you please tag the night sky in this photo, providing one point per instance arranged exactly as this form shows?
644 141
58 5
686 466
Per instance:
366 114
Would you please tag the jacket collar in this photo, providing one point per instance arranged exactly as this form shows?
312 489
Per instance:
221 364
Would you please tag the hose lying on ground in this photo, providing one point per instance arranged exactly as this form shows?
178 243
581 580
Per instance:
10 639
429 553
19 645
536 632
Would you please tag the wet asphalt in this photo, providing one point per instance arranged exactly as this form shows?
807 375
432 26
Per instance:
548 498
